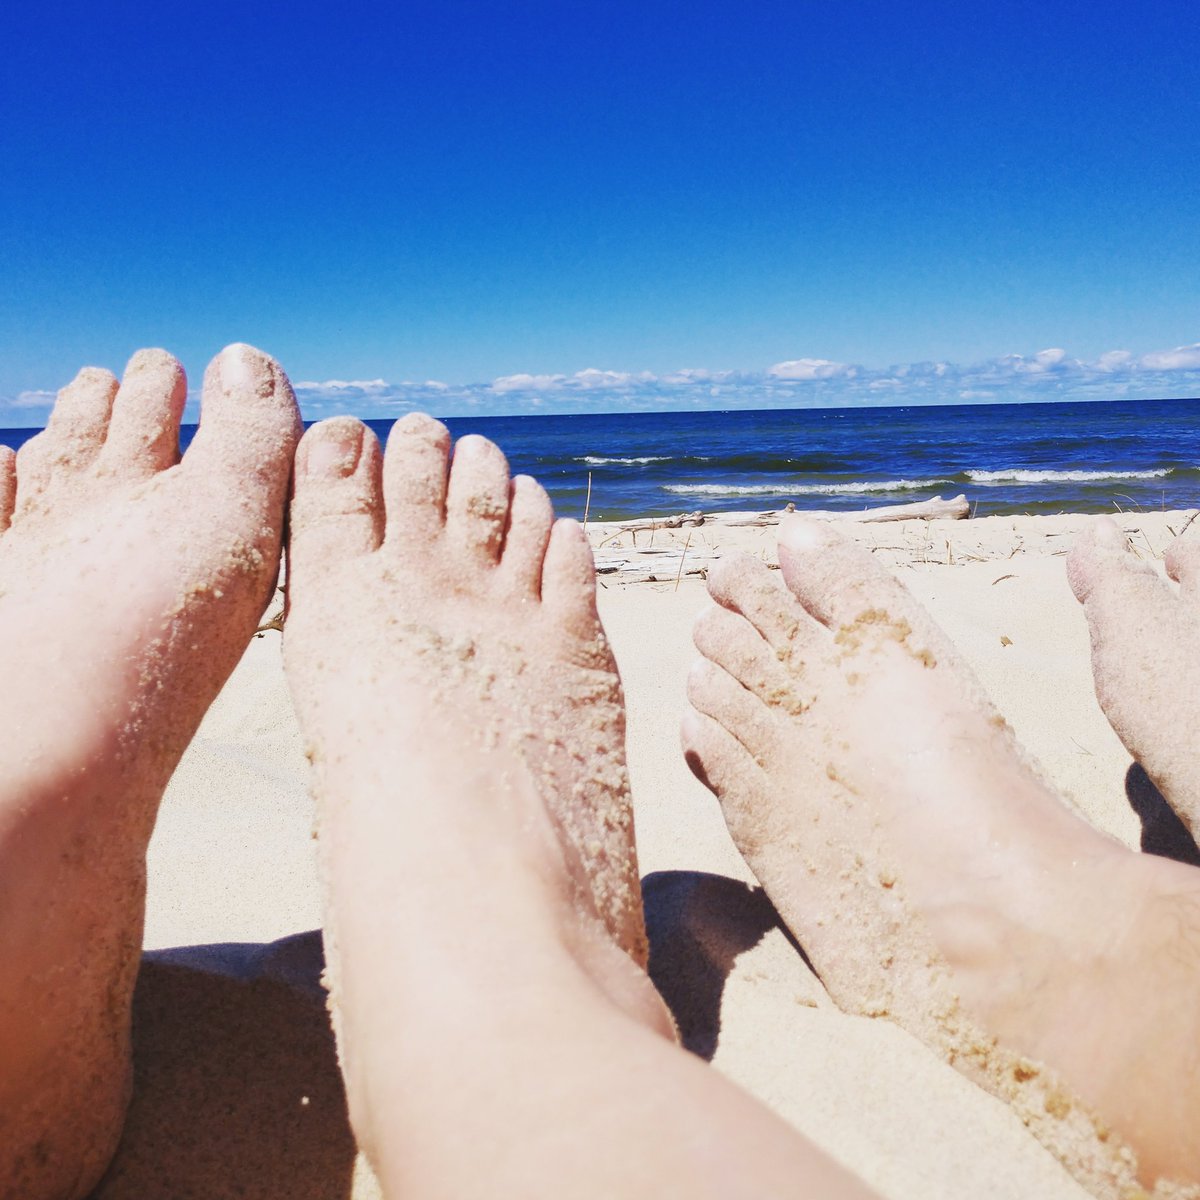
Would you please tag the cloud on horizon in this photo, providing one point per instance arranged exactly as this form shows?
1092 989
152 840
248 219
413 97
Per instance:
805 382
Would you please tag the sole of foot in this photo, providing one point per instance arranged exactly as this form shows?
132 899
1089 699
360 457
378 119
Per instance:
931 874
465 721
1145 654
130 584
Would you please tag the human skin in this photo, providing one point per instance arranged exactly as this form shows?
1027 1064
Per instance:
930 873
1145 637
130 583
497 1030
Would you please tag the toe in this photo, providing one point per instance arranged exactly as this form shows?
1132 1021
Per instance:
79 423
70 442
748 586
143 434
1100 557
835 579
715 693
1124 599
720 762
337 501
477 501
8 486
415 466
732 643
1102 568
569 579
1183 565
531 516
249 426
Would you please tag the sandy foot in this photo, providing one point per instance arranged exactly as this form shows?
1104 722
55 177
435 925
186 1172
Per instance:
483 916
1146 654
462 608
932 876
129 586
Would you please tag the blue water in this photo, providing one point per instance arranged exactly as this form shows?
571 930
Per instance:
1006 458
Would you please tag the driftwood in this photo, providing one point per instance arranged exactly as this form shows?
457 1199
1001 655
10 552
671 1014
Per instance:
923 510
676 522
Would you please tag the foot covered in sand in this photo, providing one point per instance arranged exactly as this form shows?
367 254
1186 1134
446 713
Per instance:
483 915
929 872
1146 654
130 583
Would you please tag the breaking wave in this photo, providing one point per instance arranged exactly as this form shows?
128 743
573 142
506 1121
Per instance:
1021 475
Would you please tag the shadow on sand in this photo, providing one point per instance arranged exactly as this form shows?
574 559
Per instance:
1163 833
237 1090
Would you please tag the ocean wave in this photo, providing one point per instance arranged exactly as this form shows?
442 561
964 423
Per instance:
725 489
800 488
872 485
595 460
1021 475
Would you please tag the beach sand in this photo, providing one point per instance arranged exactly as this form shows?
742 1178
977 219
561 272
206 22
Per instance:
237 1090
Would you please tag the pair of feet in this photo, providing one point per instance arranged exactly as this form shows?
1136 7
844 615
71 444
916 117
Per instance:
464 716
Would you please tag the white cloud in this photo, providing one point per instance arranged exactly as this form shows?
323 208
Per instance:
1047 360
809 368
1049 374
1042 363
590 377
1182 358
527 383
36 398
343 385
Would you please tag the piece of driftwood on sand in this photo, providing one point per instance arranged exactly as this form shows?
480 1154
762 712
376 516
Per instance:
956 509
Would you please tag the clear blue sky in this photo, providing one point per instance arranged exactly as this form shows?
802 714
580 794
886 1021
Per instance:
466 192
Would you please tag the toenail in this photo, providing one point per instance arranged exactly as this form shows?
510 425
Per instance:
332 450
1107 533
241 367
803 533
146 360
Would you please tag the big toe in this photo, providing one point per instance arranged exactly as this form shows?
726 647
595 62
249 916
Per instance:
234 478
1101 561
840 584
249 427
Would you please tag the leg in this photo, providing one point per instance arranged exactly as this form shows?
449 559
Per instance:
1145 654
464 716
930 873
129 586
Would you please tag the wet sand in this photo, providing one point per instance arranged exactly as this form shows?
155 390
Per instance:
237 1089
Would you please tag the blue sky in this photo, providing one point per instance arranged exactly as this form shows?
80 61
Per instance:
594 206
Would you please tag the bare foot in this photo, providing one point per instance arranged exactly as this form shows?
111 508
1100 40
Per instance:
932 876
1146 654
130 584
483 914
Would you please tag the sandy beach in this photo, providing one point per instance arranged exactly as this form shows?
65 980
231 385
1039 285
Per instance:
237 1089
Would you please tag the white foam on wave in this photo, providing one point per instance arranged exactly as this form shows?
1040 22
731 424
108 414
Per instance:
723 489
872 485
594 460
809 489
1020 475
